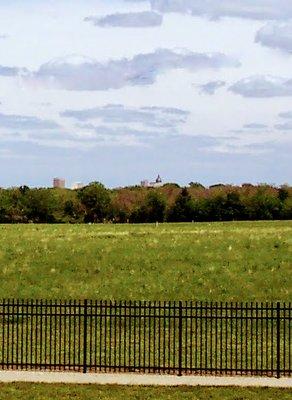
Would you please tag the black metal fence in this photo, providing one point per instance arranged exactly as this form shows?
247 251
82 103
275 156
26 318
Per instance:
155 337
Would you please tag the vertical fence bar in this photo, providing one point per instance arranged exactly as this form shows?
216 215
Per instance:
159 336
95 336
290 341
273 309
154 336
169 337
211 336
110 336
31 334
8 334
120 337
130 334
46 333
173 322
85 337
262 339
256 342
59 308
22 334
63 316
196 337
115 336
100 336
180 335
164 334
125 336
17 334
186 337
278 340
50 333
284 338
231 339
206 336
216 338
226 338
69 328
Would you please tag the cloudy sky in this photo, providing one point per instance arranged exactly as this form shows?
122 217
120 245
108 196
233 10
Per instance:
121 90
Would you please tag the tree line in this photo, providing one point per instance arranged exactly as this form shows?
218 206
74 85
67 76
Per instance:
95 204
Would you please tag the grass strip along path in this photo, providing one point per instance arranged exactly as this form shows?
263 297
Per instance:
23 391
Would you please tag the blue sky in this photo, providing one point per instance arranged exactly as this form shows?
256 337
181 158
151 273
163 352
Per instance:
119 91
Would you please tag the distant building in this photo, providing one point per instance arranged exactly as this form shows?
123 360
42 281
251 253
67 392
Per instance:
59 183
77 185
156 184
145 183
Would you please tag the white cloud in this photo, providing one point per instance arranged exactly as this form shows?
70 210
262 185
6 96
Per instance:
160 117
125 131
144 19
263 86
255 125
240 149
286 126
83 139
23 122
286 115
276 36
214 9
80 74
211 87
11 71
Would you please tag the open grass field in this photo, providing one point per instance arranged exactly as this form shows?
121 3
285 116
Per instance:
237 261
90 392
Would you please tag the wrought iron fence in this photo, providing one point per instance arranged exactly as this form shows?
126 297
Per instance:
149 337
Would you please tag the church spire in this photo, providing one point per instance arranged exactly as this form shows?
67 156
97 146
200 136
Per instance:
158 180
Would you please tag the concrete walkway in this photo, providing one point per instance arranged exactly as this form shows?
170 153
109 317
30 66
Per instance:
141 379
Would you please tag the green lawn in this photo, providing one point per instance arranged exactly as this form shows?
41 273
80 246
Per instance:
60 392
237 261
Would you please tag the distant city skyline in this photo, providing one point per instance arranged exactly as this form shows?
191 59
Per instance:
63 183
115 91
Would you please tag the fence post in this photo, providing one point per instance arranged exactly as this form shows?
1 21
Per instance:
278 340
180 332
85 337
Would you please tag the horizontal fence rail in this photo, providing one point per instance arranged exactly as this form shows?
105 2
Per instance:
150 337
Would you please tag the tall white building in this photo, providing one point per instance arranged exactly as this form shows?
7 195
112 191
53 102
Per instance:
59 183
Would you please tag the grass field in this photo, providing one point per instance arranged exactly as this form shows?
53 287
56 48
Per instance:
90 392
237 261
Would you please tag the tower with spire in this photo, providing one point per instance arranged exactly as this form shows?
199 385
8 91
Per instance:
158 183
158 179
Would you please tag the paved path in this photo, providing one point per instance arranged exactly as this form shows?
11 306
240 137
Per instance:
141 379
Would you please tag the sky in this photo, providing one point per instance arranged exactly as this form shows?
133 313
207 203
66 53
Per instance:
119 91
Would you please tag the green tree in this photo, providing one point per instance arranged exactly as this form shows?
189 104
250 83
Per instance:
96 200
286 212
283 193
183 209
152 210
40 205
11 206
5 206
264 206
196 185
